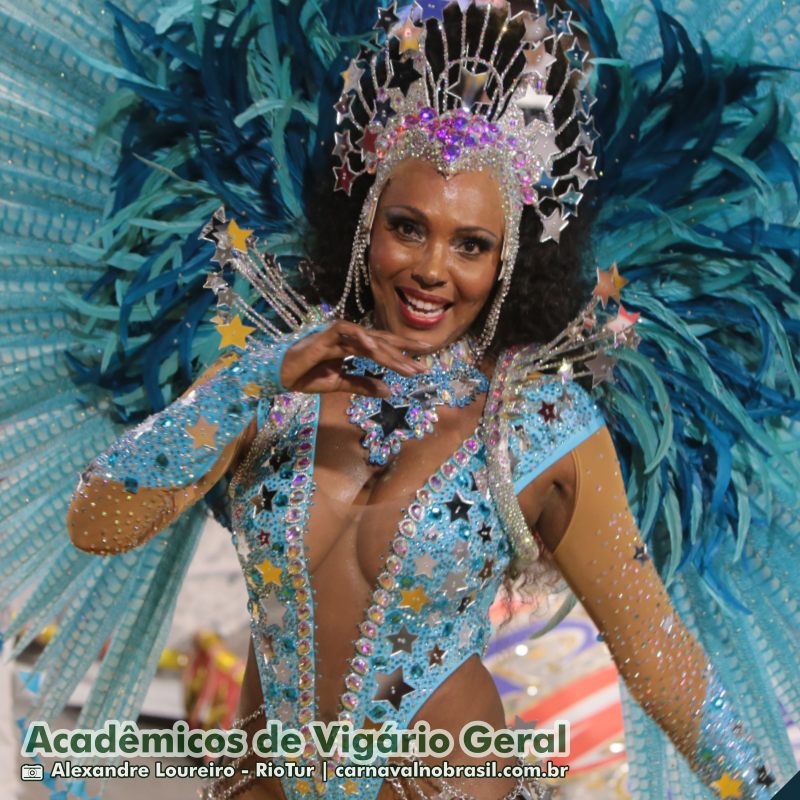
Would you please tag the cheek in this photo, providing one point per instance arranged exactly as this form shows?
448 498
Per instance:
475 282
387 257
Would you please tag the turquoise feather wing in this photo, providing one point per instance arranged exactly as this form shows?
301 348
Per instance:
698 205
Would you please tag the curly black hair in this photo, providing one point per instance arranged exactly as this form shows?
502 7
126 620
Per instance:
547 288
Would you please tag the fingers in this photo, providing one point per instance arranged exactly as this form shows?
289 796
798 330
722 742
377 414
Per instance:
369 387
415 346
327 377
361 343
341 339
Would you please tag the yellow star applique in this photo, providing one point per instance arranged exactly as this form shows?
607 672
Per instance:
303 787
350 787
609 282
238 236
270 573
202 433
414 598
728 786
234 333
409 35
252 390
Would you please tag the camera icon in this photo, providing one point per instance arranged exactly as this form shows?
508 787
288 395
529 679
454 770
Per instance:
31 772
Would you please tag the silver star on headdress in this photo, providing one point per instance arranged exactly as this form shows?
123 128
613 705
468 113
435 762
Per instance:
471 97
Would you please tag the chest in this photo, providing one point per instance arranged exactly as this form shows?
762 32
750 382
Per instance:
426 594
313 490
359 505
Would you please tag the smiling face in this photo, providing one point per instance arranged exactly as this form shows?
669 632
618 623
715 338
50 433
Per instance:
435 251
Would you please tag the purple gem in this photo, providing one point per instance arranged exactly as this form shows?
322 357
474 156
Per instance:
441 134
299 480
400 547
364 646
426 114
470 141
494 128
451 152
460 122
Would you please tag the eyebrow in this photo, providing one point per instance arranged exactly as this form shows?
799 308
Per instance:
417 213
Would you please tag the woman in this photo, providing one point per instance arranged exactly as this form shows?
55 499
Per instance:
370 521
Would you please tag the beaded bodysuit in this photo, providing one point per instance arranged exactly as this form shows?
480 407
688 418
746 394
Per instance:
429 607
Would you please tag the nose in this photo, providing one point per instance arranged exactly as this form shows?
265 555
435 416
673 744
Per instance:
431 270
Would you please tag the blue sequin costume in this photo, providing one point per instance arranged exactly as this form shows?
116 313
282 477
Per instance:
428 611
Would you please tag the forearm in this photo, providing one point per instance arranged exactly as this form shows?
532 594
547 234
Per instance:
604 559
671 677
159 468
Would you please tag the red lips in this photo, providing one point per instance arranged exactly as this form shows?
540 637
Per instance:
411 307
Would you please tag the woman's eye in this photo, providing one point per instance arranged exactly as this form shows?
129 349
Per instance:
475 247
406 228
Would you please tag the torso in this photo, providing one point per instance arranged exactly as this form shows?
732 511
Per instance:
350 527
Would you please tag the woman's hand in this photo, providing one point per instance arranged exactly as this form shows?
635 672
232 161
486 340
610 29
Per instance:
314 364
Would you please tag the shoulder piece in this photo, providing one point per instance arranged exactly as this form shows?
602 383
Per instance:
531 420
547 418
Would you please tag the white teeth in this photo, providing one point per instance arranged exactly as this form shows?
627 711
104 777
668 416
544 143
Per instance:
423 307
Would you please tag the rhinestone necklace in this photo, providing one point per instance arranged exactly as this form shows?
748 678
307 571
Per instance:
452 378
